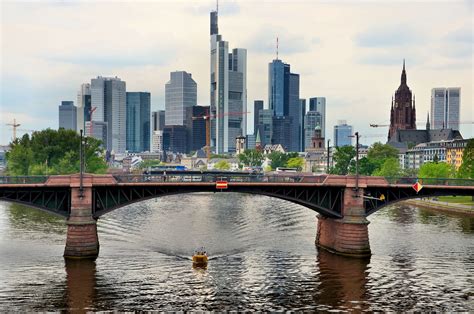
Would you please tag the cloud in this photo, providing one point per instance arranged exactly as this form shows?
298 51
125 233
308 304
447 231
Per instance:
386 59
389 36
225 8
461 35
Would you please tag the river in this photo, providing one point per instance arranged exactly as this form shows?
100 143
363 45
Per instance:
262 257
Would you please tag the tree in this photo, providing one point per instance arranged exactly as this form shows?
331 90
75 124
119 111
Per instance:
342 157
390 168
378 153
278 159
222 165
366 167
251 158
295 162
435 170
467 167
149 163
53 152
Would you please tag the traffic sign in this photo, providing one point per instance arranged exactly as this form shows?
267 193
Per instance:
417 186
221 185
382 197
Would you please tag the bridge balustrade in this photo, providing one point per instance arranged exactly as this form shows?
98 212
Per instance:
430 181
23 179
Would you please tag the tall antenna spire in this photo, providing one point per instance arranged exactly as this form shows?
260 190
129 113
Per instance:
277 49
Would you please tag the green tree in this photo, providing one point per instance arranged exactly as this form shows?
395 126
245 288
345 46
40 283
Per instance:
251 158
295 162
390 168
378 153
222 165
149 163
53 152
342 158
467 167
278 159
435 170
366 167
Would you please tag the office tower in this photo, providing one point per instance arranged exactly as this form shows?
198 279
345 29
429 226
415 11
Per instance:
175 139
251 139
342 134
158 120
312 120
257 106
67 115
108 99
302 113
265 126
318 104
284 100
83 106
282 131
180 93
157 141
445 106
196 126
228 91
403 112
138 122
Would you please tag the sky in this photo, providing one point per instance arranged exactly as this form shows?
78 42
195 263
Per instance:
350 52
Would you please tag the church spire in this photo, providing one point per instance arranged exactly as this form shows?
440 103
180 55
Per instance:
404 74
428 126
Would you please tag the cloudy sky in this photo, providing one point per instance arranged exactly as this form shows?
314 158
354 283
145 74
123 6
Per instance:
351 52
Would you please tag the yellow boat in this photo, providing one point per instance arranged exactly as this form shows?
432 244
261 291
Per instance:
200 258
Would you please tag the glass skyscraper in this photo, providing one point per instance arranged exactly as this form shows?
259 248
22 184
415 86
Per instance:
180 93
445 103
228 91
83 106
318 104
67 115
312 120
138 122
342 134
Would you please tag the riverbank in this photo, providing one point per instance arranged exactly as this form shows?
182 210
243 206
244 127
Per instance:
443 206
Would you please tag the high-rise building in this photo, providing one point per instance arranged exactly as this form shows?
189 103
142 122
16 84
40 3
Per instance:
342 134
445 103
180 93
318 104
108 99
158 120
284 100
175 139
301 114
138 122
312 120
265 126
67 115
196 126
257 106
83 106
282 131
228 91
403 112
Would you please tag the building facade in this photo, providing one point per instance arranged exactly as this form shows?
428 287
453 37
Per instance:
228 91
108 99
455 151
342 134
445 106
67 115
138 122
257 106
402 112
158 120
180 94
196 126
83 106
318 104
265 126
312 119
175 139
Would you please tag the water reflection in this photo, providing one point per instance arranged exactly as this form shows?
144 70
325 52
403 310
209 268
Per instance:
80 284
34 219
342 281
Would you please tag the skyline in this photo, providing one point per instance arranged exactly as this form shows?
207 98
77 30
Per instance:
354 67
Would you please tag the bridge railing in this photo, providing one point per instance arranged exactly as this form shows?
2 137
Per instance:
206 177
431 181
23 179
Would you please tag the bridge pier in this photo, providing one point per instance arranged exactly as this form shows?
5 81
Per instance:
82 241
347 236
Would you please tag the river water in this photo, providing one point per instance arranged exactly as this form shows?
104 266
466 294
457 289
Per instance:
262 252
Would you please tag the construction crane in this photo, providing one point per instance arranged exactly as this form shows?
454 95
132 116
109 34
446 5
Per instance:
207 118
91 127
14 125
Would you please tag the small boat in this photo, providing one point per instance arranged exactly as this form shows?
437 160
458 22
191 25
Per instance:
200 258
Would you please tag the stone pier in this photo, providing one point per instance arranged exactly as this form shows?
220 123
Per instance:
82 241
347 236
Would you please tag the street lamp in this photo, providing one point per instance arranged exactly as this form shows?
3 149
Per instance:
327 171
356 135
81 166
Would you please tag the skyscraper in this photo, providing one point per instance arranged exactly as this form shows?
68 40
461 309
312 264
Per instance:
403 112
445 103
318 104
257 106
284 100
158 120
108 97
67 115
196 127
138 122
83 106
312 120
342 134
180 93
228 91
302 113
265 126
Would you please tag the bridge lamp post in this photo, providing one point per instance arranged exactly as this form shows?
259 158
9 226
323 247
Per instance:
329 151
356 135
81 167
